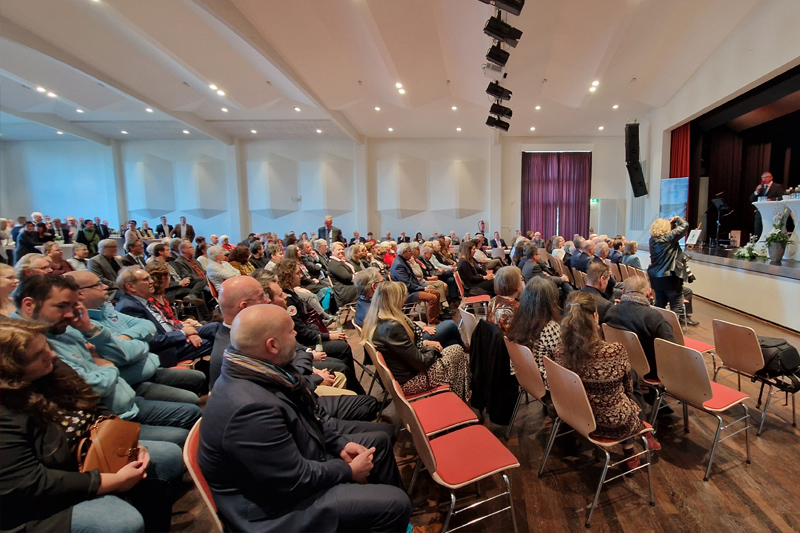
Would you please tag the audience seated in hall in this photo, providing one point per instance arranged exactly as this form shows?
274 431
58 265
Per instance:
581 260
480 256
425 257
105 264
90 348
31 264
218 269
508 284
257 255
174 341
315 262
52 252
298 476
597 280
629 257
416 291
135 255
341 274
79 261
475 279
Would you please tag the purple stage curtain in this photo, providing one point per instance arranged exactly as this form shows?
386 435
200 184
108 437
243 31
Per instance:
555 192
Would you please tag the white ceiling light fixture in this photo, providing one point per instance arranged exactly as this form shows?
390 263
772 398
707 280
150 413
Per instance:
377 108
615 106
224 109
148 110
533 128
79 110
297 109
458 129
253 132
401 91
124 132
391 129
41 89
398 85
601 128
454 108
592 89
319 131
595 83
221 92
213 87
51 94
538 107
186 132
59 133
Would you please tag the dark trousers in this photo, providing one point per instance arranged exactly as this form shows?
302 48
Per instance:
174 385
341 351
447 334
360 407
669 290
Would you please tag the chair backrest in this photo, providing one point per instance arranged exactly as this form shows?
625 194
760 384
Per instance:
212 289
559 265
639 272
568 272
569 398
672 319
552 261
525 368
630 341
623 269
683 372
459 283
584 279
384 373
616 271
412 424
190 460
576 275
738 347
467 326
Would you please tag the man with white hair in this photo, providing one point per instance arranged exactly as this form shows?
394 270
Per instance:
213 240
105 264
417 291
31 264
218 269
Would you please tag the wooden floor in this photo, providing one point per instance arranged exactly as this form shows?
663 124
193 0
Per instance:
762 496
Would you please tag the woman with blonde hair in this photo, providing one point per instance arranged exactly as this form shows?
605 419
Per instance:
417 364
667 270
605 371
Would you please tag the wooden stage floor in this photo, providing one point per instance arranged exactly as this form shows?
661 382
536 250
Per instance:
762 496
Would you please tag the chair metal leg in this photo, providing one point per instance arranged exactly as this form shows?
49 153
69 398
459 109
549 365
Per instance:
550 442
794 420
760 394
649 472
714 447
685 418
514 414
746 432
449 511
510 501
599 487
656 407
764 412
417 468
372 383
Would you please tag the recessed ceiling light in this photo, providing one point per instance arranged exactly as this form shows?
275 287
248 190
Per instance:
592 89
297 109
221 92
458 129
538 107
398 85
391 129
79 110
186 132
615 106
51 94
212 87
149 110
601 128
96 1
454 108
124 132
595 83
533 128
402 91
319 131
377 108
59 133
253 131
224 109
41 89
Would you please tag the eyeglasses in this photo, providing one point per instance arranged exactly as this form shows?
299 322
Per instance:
261 298
98 284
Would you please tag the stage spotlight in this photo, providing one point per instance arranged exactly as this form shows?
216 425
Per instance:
500 110
511 6
496 123
498 91
501 31
497 55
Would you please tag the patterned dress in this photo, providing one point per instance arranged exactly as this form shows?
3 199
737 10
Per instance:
544 346
609 386
501 310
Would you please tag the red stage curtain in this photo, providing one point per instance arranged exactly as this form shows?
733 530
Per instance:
555 192
679 153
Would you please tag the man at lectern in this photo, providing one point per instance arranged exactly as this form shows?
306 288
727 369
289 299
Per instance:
768 189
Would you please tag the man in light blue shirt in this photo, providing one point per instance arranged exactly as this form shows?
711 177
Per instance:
53 301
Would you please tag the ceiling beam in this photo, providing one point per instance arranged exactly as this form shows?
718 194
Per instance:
13 32
227 13
57 123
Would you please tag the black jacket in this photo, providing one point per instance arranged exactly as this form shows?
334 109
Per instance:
647 323
39 478
493 386
666 256
402 356
603 304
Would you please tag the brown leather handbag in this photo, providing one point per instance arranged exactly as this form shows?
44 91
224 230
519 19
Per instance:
112 443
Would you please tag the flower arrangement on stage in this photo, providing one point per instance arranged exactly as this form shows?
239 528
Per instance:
749 252
778 234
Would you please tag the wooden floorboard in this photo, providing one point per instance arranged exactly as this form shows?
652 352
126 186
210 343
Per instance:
761 496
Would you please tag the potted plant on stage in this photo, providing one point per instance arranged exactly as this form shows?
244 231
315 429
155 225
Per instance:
778 238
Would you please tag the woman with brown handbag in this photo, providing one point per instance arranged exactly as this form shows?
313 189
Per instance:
45 411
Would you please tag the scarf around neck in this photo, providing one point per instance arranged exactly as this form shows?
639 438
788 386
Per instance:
635 297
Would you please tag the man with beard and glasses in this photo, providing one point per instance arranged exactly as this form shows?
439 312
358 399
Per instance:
86 347
270 462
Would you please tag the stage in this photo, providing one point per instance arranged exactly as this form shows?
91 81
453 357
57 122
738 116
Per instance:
769 292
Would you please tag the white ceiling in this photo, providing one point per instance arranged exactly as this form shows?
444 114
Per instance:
336 60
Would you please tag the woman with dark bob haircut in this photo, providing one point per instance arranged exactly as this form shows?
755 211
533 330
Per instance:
45 410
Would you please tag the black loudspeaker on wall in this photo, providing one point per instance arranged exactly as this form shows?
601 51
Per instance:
632 160
637 178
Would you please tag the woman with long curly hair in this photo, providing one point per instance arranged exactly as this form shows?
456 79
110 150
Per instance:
239 258
46 410
605 371
417 364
